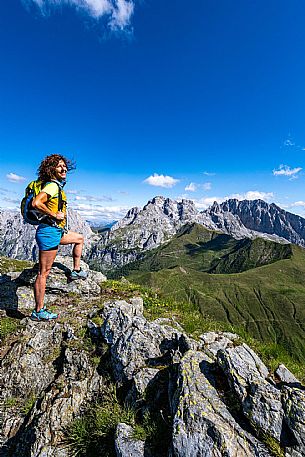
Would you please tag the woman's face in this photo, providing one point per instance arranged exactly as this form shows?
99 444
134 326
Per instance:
61 171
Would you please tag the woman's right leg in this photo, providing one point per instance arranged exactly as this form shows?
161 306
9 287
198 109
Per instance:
46 259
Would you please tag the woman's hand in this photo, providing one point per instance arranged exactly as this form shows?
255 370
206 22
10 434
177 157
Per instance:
60 216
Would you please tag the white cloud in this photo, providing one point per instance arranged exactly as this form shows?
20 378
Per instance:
285 170
161 180
99 212
117 12
209 174
252 195
122 14
298 203
93 198
207 186
204 203
191 187
288 142
15 178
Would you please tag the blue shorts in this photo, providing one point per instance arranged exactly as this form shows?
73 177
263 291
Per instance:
48 237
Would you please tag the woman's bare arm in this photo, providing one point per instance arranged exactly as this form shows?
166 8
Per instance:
39 203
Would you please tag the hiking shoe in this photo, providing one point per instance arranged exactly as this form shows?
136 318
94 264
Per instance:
43 315
78 274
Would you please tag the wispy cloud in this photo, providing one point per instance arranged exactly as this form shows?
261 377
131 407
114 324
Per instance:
192 187
289 142
100 212
207 173
285 170
161 180
298 203
117 13
92 198
207 186
204 203
12 177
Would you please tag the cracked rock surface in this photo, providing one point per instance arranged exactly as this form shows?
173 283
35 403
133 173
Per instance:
208 398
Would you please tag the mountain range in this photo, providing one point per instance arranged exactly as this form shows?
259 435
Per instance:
143 229
146 228
240 262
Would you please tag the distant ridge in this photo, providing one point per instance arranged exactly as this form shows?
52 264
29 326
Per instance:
146 228
259 217
143 229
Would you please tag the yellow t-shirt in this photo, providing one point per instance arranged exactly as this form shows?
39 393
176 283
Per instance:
51 189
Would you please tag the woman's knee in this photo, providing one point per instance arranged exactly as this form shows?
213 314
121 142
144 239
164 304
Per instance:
80 239
44 272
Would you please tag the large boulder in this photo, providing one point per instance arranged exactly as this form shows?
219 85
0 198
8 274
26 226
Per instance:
136 342
202 425
17 287
260 399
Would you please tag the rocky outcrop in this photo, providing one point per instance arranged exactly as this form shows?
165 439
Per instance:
202 423
247 376
17 287
46 378
209 397
53 392
222 398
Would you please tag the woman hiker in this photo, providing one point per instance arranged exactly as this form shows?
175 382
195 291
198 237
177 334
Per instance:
53 202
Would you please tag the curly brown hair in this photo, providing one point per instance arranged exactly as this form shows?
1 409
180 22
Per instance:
46 170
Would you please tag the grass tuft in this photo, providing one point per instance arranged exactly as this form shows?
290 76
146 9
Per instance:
93 433
8 325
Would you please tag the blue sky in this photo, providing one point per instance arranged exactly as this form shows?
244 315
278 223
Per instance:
203 100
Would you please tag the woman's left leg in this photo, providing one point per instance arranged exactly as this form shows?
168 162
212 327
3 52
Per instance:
78 240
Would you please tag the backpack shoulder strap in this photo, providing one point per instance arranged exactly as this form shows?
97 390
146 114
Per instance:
60 200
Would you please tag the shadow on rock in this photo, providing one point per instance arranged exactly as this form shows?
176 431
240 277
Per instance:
14 291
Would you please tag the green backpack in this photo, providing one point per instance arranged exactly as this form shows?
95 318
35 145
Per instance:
31 215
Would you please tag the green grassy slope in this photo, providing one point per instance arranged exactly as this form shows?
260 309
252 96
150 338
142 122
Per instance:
268 301
205 250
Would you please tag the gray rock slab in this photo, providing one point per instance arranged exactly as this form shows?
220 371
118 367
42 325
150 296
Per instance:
294 408
125 444
202 424
140 383
135 342
212 342
57 407
285 376
260 400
